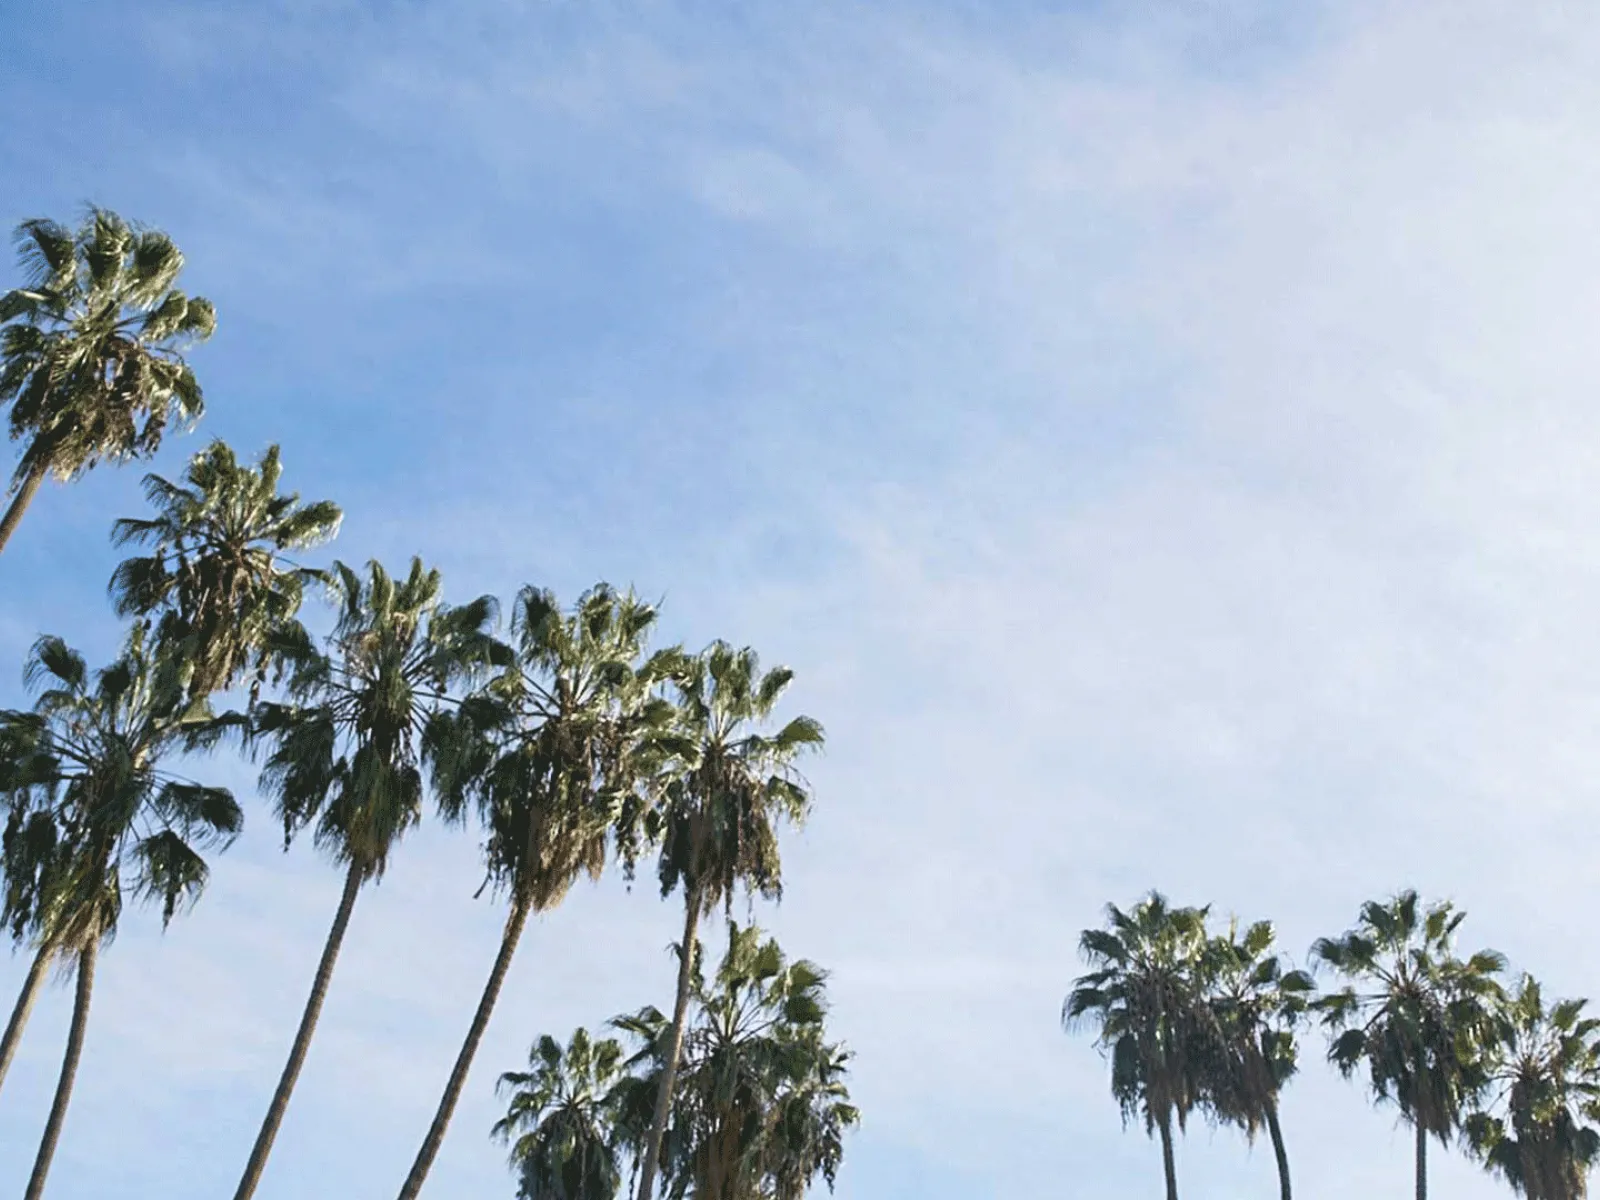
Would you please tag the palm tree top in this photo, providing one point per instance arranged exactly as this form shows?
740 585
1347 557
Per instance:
91 350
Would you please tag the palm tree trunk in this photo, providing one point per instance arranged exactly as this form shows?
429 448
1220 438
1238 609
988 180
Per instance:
669 1073
1277 1149
69 1070
1168 1163
1422 1161
458 1074
23 498
353 879
24 1007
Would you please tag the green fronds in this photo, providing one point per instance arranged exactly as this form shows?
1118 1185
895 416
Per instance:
1415 1016
91 358
216 585
90 815
345 752
761 1105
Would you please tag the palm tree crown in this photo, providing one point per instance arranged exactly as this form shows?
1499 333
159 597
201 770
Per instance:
1143 992
1539 1129
346 745
760 1105
91 356
561 1122
1413 1013
217 584
92 813
1255 1002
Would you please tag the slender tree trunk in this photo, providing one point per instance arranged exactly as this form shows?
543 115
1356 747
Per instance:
458 1074
69 1070
669 1073
1277 1149
1422 1161
1168 1162
24 1007
19 502
353 879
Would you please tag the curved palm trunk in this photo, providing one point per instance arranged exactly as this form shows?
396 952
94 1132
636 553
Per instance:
1278 1150
19 502
1422 1162
469 1049
24 1007
669 1073
1168 1162
302 1038
69 1071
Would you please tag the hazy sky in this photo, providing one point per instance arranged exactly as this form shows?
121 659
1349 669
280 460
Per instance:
1162 437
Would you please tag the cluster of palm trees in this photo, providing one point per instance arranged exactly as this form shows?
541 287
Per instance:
1195 1020
562 737
761 1106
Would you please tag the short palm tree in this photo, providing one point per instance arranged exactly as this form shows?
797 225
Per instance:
716 813
346 750
1255 1001
546 753
561 1122
761 1106
1144 993
218 586
1413 1014
100 817
1539 1130
91 346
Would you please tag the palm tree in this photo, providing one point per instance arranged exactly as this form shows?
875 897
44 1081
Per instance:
1544 1071
562 1120
715 815
84 778
1144 993
547 754
346 750
1255 1002
91 349
760 1106
1413 1013
218 585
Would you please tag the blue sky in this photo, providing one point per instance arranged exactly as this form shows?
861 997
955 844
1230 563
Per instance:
1161 437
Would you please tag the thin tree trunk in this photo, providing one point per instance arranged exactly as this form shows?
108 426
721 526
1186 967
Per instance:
24 1007
469 1049
1277 1149
19 502
353 879
69 1070
1422 1161
1168 1162
669 1073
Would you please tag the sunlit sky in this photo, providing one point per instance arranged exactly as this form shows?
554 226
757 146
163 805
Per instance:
1163 439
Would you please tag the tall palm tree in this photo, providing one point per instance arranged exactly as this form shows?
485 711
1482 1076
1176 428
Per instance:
1416 1016
715 817
346 750
1144 993
91 346
218 585
546 753
1544 1080
761 1106
86 764
562 1120
1255 1002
